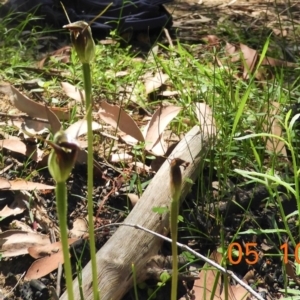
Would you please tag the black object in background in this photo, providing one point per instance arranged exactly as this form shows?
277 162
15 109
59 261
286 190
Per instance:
134 15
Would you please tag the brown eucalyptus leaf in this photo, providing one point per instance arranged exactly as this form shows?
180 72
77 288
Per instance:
206 119
236 292
80 128
155 82
120 157
231 50
250 57
21 184
208 276
80 227
63 54
204 285
16 224
44 266
34 127
118 118
159 121
133 198
29 150
34 109
272 125
17 207
16 242
273 62
53 120
73 92
52 257
47 250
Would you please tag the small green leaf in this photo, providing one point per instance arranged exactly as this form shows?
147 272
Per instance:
180 218
189 180
221 250
164 277
160 210
188 256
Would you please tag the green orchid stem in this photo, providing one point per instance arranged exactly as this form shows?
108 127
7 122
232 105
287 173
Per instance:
88 102
61 203
174 235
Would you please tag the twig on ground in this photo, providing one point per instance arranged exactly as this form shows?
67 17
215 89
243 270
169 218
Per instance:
186 248
168 37
59 274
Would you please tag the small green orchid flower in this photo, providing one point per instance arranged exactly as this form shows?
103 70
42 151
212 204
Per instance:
62 157
82 39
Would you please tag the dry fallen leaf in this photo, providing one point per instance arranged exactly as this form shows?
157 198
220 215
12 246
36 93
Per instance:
158 123
34 127
16 207
154 82
290 271
73 92
272 125
133 198
46 250
82 159
62 54
120 157
206 120
208 276
44 266
52 256
53 120
34 109
21 184
80 227
118 118
249 59
16 224
29 150
80 128
16 242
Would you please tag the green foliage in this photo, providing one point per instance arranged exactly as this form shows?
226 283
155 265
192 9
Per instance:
240 107
164 277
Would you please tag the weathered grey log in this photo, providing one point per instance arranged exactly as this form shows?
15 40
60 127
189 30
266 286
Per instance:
132 246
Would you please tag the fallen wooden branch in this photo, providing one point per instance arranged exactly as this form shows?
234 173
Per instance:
129 246
196 254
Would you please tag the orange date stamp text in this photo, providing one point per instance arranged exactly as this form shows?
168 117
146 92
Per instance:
235 253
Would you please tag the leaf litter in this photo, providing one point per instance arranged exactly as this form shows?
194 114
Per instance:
151 136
